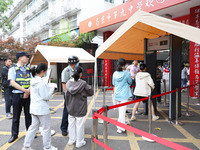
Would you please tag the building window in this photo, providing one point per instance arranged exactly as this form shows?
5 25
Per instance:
73 21
110 1
36 23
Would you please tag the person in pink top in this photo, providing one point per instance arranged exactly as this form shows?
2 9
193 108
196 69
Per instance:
134 69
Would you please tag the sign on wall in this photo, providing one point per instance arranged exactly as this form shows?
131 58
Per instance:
161 43
123 12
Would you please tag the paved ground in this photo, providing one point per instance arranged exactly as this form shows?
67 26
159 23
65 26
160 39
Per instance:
187 135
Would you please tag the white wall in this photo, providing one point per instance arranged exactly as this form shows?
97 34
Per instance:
54 71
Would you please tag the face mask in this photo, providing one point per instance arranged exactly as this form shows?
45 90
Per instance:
45 75
77 64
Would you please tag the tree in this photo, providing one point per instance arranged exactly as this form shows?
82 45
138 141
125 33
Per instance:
69 40
9 47
4 6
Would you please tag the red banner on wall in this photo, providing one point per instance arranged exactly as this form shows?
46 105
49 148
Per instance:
107 64
123 12
184 19
194 52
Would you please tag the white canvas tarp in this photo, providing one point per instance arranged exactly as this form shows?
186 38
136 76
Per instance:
55 54
128 40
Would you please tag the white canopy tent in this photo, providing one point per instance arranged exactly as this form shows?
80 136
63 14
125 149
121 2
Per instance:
128 40
55 54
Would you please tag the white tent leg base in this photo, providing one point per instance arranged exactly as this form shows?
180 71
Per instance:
147 139
100 121
198 104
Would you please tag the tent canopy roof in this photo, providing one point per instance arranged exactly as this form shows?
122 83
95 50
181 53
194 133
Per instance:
128 40
55 54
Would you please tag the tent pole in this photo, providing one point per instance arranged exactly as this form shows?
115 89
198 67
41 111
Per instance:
49 65
95 78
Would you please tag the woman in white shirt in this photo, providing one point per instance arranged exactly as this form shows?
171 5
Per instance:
39 108
144 86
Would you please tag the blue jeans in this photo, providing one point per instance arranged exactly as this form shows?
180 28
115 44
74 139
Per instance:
133 89
183 82
64 123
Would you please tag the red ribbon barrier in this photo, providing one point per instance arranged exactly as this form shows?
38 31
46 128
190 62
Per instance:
142 133
127 103
102 144
155 96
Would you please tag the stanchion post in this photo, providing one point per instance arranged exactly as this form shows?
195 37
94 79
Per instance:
104 95
199 96
194 97
94 130
92 81
104 103
177 106
105 129
188 114
165 89
150 114
188 92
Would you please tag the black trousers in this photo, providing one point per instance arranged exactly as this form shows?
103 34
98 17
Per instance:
18 102
64 122
8 98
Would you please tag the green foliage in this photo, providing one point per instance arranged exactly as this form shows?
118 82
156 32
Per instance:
64 39
4 6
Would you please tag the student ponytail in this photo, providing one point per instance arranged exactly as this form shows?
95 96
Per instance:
121 62
40 67
77 72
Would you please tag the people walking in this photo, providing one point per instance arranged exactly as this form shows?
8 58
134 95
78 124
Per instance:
134 69
39 108
122 81
65 76
77 91
7 87
20 76
158 82
184 74
144 86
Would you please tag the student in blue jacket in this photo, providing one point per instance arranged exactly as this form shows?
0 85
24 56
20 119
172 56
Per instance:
122 81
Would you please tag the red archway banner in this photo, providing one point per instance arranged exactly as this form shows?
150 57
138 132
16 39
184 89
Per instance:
123 12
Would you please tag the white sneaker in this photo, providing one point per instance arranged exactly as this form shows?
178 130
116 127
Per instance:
53 132
155 118
82 144
51 148
70 143
27 148
120 131
133 118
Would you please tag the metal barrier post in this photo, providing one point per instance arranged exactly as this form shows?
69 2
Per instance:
105 129
194 97
104 102
165 90
198 104
104 95
150 120
150 114
177 106
188 114
92 81
94 130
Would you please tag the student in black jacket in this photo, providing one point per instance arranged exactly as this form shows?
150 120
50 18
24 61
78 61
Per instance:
7 87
